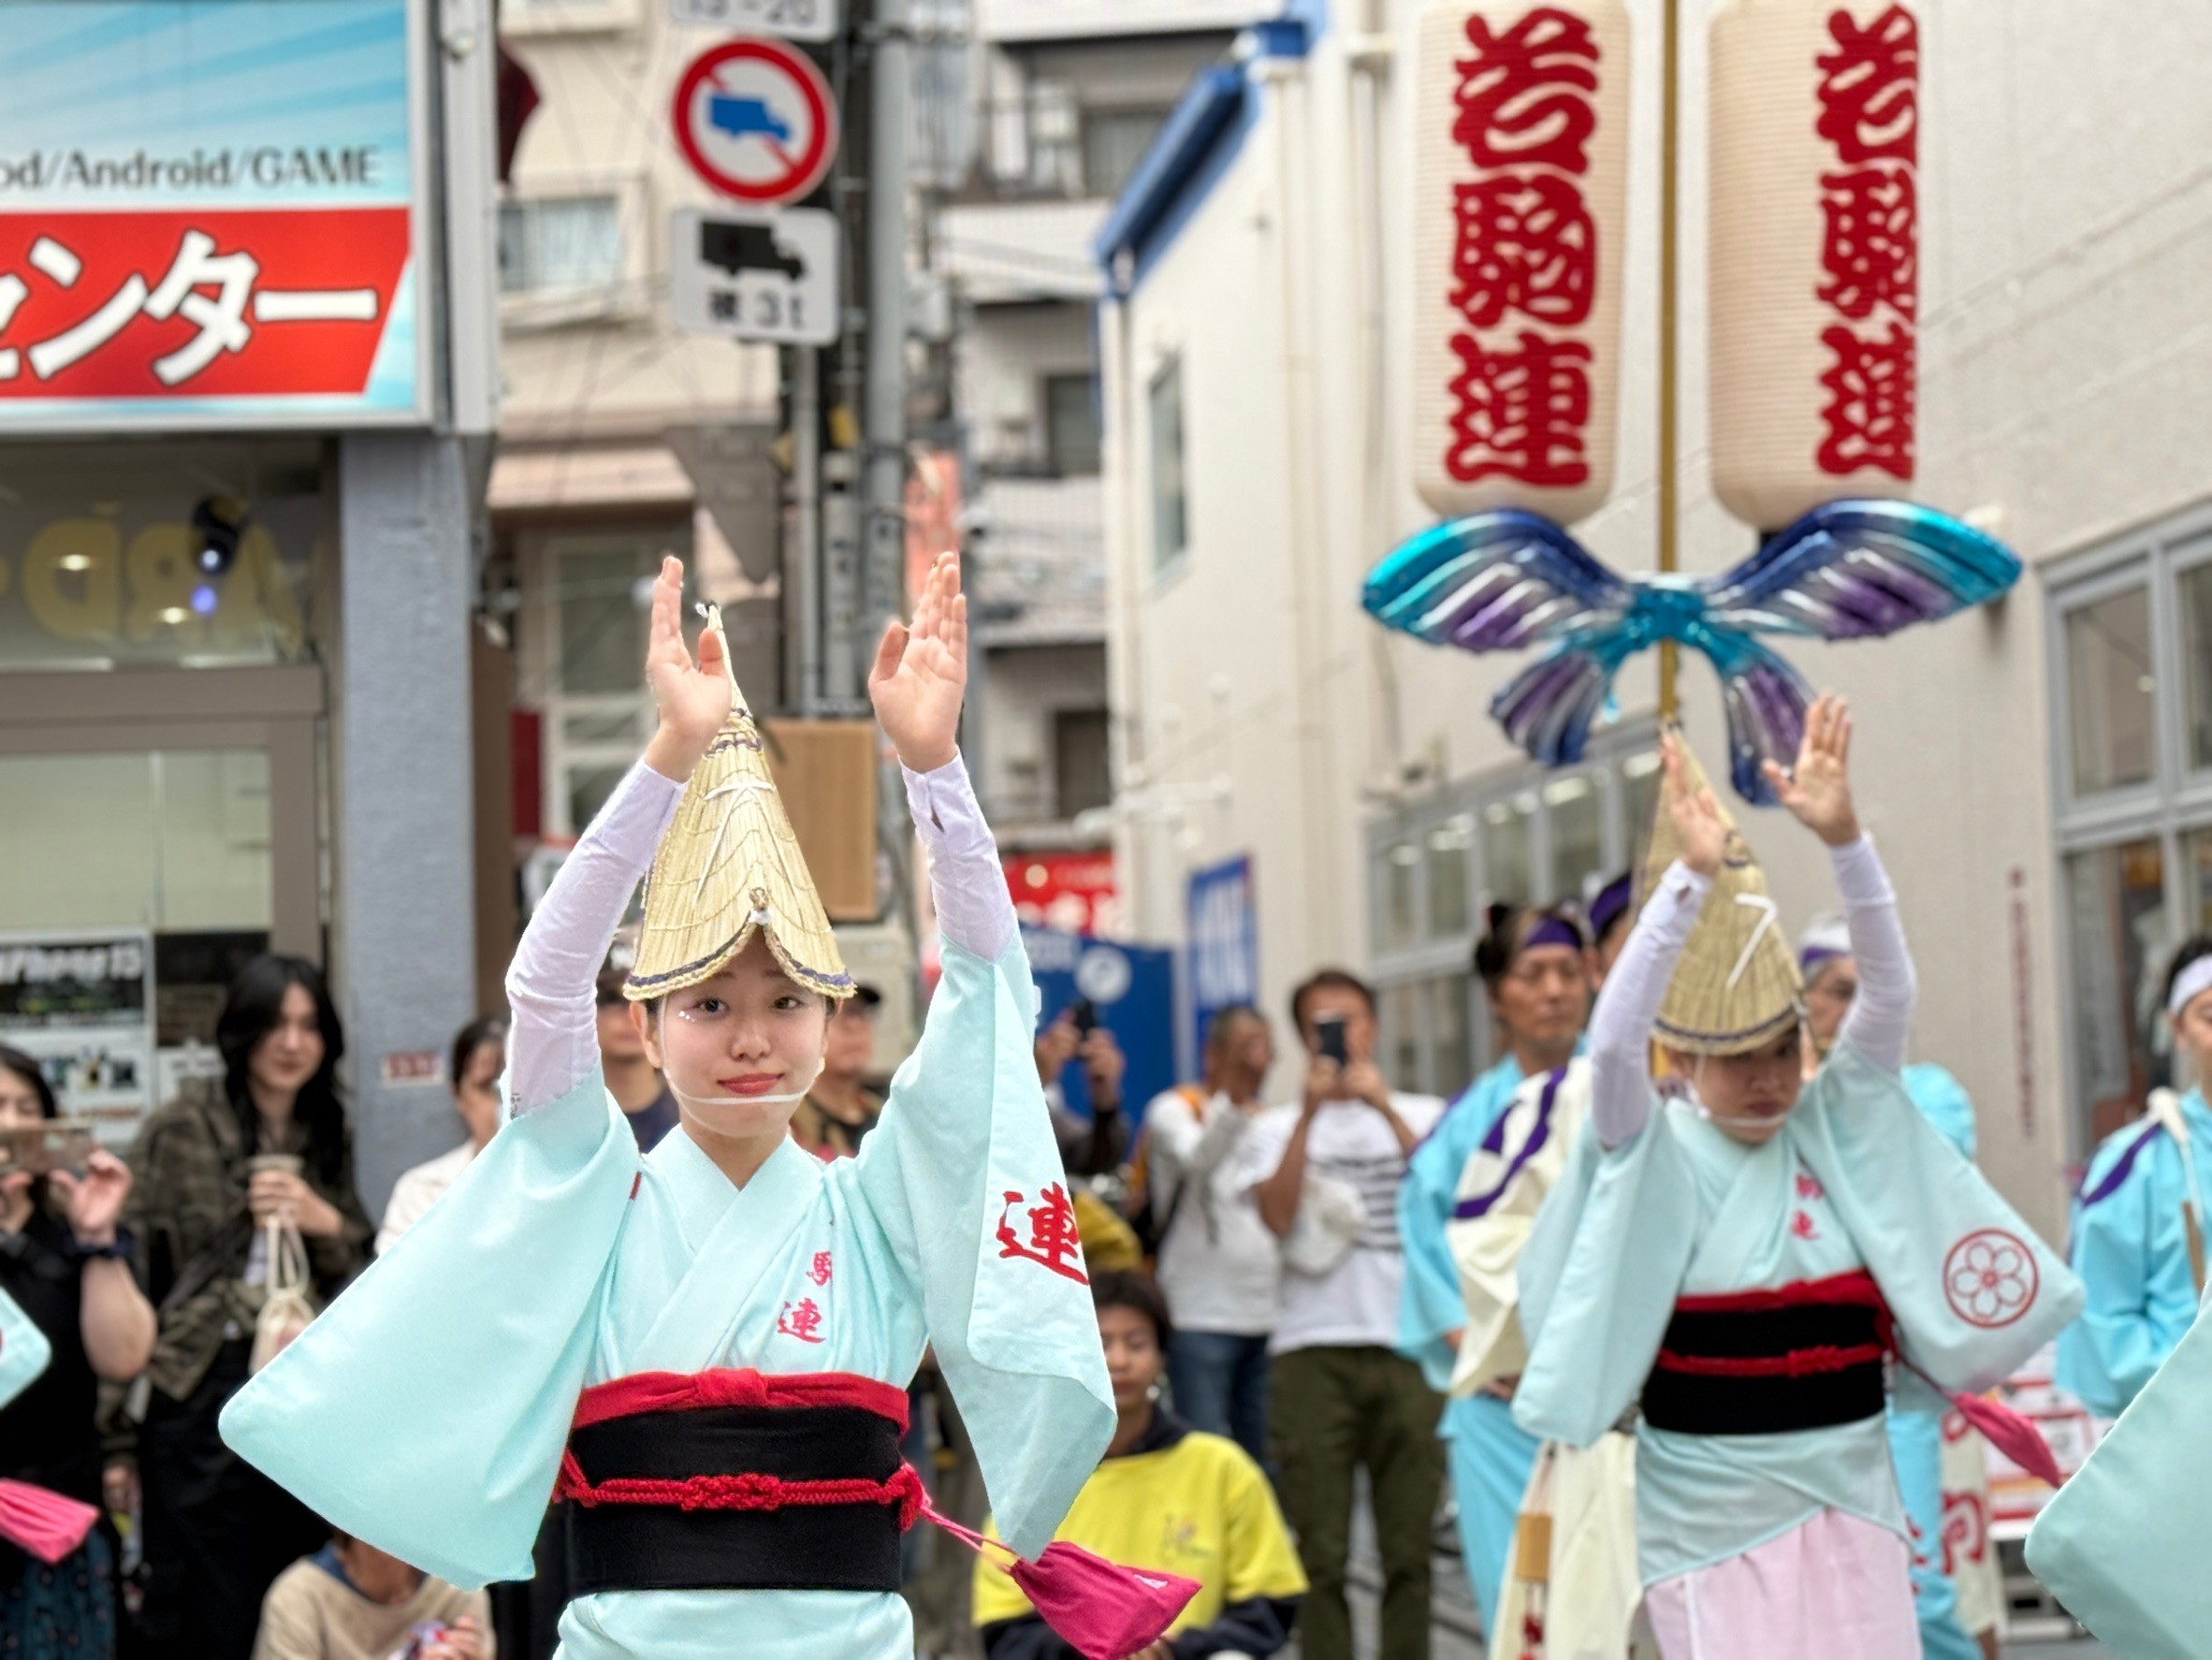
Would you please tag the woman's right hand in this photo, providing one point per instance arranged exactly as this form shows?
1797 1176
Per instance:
1697 816
693 698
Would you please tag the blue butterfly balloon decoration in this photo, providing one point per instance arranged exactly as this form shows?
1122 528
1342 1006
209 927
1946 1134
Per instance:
1852 570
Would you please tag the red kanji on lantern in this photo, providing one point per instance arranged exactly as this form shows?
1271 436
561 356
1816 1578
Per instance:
1052 1237
801 1319
1869 415
819 1273
1526 243
1870 90
1520 413
1871 249
1524 96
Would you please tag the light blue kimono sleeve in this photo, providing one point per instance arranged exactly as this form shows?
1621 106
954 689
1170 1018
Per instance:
426 1409
2122 1544
1943 1102
964 1176
24 1352
2131 1248
1430 1304
1598 1280
1973 1290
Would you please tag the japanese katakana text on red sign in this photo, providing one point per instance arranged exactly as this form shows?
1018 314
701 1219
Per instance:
1870 119
1524 251
225 303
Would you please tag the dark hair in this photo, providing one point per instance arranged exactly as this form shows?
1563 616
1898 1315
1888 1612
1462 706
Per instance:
26 1068
1217 1028
484 1029
250 1012
607 990
1507 936
2193 950
1328 980
1128 1288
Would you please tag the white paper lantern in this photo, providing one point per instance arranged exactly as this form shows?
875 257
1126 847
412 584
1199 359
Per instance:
1815 277
1520 174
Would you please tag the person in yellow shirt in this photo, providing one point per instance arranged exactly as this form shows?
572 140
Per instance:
1167 1497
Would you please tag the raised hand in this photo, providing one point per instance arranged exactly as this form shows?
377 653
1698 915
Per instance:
1817 791
1697 816
95 1200
921 673
693 698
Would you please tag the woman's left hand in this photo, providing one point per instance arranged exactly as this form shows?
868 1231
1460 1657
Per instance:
94 1200
279 1193
921 673
1818 791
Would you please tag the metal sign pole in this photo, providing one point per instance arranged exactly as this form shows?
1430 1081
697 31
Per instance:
1669 300
884 485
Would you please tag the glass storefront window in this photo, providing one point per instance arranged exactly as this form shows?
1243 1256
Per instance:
1451 898
1399 862
1401 1037
602 626
100 552
2121 936
2110 687
2196 653
2197 881
1451 1047
1506 856
1578 834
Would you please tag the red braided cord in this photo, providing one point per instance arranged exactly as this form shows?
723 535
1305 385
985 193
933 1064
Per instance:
1798 1362
749 1492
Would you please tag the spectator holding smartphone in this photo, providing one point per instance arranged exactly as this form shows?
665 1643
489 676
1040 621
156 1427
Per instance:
1324 1173
351 1601
64 1262
1097 1147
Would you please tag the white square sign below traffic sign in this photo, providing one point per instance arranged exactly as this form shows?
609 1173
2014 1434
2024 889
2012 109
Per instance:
768 276
794 20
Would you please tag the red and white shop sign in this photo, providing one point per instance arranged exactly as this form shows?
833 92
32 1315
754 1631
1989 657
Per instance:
187 305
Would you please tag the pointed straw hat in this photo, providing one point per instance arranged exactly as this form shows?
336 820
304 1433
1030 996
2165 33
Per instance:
1736 986
728 868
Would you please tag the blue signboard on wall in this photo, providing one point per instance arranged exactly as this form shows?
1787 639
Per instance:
1224 943
1133 989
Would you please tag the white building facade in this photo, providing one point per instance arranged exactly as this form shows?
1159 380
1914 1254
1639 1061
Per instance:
2039 771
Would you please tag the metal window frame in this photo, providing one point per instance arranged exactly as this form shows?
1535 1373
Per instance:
2177 799
1428 958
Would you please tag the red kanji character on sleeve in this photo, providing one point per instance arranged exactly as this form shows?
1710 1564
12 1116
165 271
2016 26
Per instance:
819 1271
1524 96
1871 249
1052 1237
802 1320
1520 413
1870 398
1870 90
1525 243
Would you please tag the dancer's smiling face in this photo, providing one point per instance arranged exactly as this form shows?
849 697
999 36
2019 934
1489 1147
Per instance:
738 1049
1749 1095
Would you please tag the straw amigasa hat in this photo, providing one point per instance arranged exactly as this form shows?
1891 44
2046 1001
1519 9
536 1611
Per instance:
1736 986
729 867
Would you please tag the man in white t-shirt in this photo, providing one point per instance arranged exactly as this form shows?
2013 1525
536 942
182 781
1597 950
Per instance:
1324 1177
1218 1264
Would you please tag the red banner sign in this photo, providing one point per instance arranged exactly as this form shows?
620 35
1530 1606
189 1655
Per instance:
218 304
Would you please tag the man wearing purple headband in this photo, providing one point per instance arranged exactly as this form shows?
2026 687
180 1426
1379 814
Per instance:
1536 969
2139 1220
1611 913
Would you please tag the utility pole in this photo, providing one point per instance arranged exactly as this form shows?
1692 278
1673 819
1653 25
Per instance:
883 478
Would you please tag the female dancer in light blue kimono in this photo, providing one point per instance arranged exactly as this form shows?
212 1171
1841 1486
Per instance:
1747 1255
1534 966
2139 1221
707 1347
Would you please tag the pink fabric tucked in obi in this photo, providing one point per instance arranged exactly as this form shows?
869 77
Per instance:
1833 1588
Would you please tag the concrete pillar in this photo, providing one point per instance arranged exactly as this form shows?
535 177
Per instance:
403 935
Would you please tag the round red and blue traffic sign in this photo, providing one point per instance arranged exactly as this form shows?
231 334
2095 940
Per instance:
756 120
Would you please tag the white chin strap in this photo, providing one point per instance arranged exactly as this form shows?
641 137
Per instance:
1724 1119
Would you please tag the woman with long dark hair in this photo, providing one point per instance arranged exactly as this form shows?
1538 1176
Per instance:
267 1141
65 1264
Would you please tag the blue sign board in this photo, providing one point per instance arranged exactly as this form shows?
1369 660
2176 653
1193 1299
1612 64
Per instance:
1224 943
1133 989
